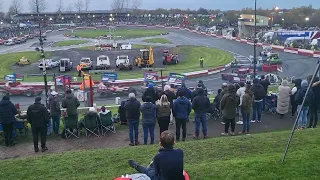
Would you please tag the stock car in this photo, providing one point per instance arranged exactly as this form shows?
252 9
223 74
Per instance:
107 89
16 88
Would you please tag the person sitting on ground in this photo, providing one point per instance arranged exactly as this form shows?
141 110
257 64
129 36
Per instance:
91 114
167 164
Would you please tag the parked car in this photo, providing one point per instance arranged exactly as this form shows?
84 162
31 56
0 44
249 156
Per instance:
49 63
65 64
103 62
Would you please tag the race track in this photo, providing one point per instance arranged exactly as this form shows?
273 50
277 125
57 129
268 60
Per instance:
298 66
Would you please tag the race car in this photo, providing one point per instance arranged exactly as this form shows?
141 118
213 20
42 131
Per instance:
49 63
273 58
265 50
107 89
232 77
16 88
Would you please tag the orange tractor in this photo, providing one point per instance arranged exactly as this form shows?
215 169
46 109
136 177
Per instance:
169 58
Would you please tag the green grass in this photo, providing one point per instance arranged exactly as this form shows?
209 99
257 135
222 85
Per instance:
158 40
7 60
69 43
124 33
241 157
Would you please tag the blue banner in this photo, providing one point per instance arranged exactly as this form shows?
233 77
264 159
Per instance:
14 77
59 79
151 77
176 78
109 77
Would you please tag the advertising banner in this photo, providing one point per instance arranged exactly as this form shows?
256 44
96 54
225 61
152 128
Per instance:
151 77
176 78
14 77
109 77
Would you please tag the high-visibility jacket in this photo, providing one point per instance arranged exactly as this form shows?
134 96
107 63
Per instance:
201 59
86 84
79 68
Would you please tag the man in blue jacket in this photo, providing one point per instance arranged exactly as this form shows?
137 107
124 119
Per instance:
167 164
7 118
181 111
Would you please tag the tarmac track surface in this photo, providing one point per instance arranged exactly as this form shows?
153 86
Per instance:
298 66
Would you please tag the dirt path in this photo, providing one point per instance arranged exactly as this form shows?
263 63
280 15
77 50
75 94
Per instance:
120 138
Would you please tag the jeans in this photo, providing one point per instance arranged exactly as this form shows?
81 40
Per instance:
303 118
229 122
246 121
8 137
257 110
148 129
149 171
181 123
200 118
163 123
42 131
313 115
133 126
55 124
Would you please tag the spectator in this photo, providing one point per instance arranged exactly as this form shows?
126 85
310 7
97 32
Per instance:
39 118
186 92
201 105
163 113
122 113
265 83
259 94
246 108
71 103
315 105
224 90
228 105
148 111
167 163
181 111
203 87
7 119
151 92
294 90
195 92
55 112
217 99
240 93
133 114
304 108
170 96
283 101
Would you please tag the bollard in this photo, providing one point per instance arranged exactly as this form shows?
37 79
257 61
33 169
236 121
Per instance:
117 100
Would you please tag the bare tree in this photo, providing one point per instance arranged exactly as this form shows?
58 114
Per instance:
87 4
79 5
59 6
135 5
15 7
118 5
37 5
1 5
69 8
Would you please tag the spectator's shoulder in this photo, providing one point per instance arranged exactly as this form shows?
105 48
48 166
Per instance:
179 151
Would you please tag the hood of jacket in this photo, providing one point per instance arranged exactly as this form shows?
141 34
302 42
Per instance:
69 96
297 83
304 84
182 100
5 102
132 99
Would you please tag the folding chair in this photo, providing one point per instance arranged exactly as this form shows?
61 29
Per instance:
71 122
106 123
91 125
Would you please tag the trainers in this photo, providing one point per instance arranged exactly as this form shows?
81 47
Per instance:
44 149
240 122
259 121
137 143
223 123
224 134
36 150
232 134
253 121
132 164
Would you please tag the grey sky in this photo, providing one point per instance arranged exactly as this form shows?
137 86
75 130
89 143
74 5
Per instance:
183 4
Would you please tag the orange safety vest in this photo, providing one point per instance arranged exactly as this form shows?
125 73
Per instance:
79 68
86 84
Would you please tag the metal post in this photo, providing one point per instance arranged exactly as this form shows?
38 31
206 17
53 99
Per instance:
254 41
299 112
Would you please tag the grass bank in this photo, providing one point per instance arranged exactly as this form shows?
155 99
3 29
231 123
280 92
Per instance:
69 43
119 33
158 40
242 157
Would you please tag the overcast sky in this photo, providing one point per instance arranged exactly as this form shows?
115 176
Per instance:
183 4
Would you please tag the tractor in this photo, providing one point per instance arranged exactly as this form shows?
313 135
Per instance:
145 58
23 61
169 58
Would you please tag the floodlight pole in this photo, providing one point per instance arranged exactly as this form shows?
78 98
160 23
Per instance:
43 57
299 112
255 41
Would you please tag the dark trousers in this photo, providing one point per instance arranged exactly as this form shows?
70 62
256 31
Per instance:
181 123
133 130
294 107
313 115
42 131
7 129
163 123
229 122
79 73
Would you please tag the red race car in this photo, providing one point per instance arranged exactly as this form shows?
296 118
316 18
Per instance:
16 88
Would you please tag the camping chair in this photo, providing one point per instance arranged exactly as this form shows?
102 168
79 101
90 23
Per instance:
106 123
71 123
91 125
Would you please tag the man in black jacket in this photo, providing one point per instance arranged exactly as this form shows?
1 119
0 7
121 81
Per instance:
259 94
38 117
132 107
151 92
7 113
265 83
55 112
201 105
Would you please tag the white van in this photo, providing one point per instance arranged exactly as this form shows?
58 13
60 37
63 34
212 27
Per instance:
9 42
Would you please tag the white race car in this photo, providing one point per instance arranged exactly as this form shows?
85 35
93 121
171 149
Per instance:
49 63
265 50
